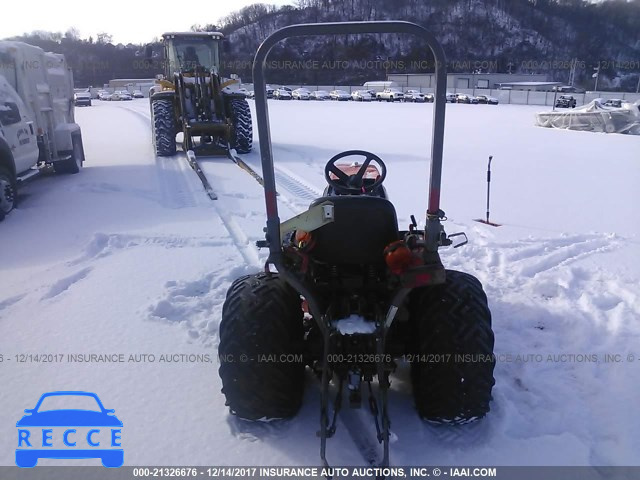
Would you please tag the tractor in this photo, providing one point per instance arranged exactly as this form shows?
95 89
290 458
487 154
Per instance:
347 294
193 99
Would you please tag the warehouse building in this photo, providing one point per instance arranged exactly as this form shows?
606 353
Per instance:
135 83
459 81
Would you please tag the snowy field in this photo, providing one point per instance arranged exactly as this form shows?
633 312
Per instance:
131 257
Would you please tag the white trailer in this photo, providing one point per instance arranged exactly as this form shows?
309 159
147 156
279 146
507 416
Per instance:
37 125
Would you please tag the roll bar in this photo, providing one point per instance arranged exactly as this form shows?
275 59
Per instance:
262 115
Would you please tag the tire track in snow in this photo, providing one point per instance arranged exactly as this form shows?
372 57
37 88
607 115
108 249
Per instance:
240 239
362 434
550 270
296 185
565 254
175 190
197 303
293 192
175 167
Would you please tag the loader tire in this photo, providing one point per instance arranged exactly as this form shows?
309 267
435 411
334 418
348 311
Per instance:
452 371
8 192
164 127
74 164
261 346
242 135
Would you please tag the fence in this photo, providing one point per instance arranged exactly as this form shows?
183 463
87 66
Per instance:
516 97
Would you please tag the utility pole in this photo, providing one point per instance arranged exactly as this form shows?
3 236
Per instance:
596 75
572 72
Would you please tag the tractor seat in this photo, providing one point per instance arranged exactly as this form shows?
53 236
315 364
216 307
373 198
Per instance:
363 226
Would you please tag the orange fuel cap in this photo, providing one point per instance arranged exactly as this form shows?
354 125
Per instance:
398 256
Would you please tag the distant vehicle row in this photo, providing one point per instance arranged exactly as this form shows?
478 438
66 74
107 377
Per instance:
119 95
569 101
470 99
387 95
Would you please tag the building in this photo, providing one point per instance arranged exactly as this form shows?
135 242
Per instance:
135 83
461 81
530 86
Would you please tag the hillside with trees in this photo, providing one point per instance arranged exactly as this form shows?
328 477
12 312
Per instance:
518 36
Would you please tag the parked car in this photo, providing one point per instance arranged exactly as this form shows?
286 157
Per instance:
137 94
565 101
452 97
339 95
270 91
415 96
286 88
390 95
430 97
119 95
361 96
613 102
251 94
373 93
282 94
103 95
82 99
320 95
464 98
487 100
301 94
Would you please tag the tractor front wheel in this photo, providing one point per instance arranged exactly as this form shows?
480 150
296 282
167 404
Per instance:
242 135
452 374
261 346
164 127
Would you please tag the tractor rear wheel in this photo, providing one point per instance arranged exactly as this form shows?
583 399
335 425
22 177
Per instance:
261 345
164 127
452 374
242 136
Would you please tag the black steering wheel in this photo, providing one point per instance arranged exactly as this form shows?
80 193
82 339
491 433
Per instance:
354 184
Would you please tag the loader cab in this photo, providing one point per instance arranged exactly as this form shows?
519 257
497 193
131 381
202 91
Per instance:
185 52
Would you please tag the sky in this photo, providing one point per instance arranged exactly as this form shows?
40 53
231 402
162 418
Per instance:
128 22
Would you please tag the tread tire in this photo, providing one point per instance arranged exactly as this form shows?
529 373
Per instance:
452 318
261 315
9 194
164 127
242 137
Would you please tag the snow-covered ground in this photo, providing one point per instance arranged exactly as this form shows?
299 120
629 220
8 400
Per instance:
131 257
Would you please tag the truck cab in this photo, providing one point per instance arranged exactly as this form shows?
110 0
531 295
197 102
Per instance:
17 131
